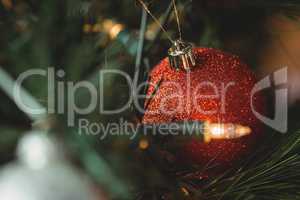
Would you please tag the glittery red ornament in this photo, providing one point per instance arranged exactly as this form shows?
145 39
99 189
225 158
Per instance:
218 90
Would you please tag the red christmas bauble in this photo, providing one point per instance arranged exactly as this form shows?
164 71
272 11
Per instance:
217 89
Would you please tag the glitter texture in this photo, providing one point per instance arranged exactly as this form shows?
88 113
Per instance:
201 98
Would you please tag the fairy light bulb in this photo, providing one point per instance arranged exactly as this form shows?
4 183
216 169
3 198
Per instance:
112 28
143 144
224 131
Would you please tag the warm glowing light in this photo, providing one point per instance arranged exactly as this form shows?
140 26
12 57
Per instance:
115 30
97 28
112 28
225 131
185 191
217 131
144 144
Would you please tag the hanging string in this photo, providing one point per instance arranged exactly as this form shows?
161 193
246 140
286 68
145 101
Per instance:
156 20
177 19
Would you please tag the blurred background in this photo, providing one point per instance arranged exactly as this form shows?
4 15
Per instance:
82 37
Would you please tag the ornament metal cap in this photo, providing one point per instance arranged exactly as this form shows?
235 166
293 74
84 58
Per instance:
181 55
